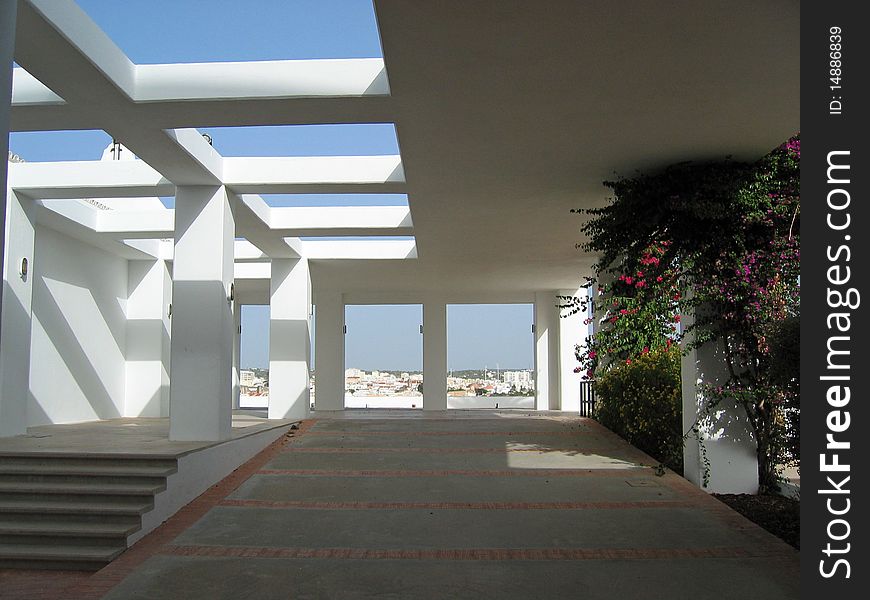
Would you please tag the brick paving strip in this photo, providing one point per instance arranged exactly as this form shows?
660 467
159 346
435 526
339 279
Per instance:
329 450
465 553
618 473
302 504
439 433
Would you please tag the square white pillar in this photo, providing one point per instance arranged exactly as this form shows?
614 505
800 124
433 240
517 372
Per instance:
202 319
237 353
725 433
546 351
16 314
329 351
8 13
289 339
572 332
434 355
147 351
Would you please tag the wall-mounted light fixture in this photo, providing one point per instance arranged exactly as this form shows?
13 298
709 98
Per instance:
232 295
24 269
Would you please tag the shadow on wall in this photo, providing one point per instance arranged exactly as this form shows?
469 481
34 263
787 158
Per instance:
78 336
728 437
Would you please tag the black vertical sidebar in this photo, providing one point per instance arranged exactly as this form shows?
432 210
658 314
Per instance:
835 299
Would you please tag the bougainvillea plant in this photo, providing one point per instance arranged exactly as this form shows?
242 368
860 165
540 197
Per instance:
717 240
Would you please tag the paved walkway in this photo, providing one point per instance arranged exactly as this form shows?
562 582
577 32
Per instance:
495 505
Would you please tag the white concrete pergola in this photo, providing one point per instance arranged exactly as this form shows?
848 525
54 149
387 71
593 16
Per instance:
508 114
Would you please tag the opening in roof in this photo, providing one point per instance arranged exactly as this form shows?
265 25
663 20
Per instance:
51 146
357 139
320 200
168 31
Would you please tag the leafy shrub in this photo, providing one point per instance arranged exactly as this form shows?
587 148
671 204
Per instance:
784 339
641 401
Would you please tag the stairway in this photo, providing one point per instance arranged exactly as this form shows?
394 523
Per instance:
75 512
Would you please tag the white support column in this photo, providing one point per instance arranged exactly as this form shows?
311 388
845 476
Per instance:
8 12
16 314
202 320
572 331
329 352
434 355
546 351
289 339
725 432
147 352
237 353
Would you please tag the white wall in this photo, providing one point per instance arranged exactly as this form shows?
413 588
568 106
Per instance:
572 331
147 347
78 343
725 432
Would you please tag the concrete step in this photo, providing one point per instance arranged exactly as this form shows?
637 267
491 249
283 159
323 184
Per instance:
129 519
84 557
88 463
60 505
85 479
66 529
61 511
92 469
119 488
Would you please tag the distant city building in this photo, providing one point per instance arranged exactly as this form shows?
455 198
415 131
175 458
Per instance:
521 380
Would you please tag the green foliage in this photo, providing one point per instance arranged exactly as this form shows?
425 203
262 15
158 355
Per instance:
641 401
717 240
784 339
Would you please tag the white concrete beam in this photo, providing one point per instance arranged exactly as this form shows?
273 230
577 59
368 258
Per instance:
261 79
372 249
27 90
252 223
253 270
146 224
302 174
63 48
341 220
88 179
240 112
289 339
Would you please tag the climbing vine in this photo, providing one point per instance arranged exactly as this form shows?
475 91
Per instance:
720 241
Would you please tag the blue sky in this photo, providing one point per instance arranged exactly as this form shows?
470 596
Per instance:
388 337
172 31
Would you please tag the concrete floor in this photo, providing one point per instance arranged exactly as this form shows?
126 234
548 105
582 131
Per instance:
452 505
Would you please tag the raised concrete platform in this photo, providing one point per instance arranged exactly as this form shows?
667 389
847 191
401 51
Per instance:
76 496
